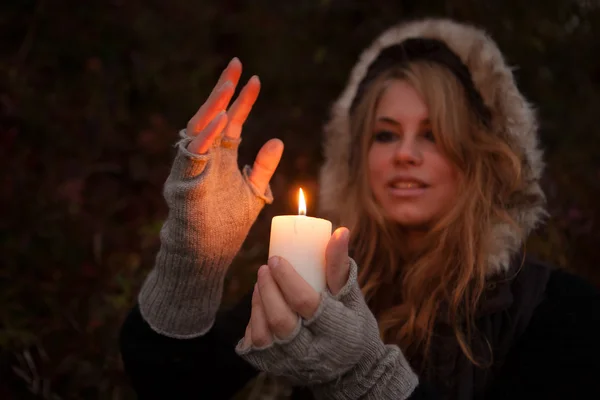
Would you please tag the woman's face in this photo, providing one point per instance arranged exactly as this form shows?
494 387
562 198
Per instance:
412 181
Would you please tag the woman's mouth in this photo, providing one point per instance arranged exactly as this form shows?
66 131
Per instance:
406 188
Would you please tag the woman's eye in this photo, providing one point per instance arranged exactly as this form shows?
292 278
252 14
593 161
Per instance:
429 136
384 136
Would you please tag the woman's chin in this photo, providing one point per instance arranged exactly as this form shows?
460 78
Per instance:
409 219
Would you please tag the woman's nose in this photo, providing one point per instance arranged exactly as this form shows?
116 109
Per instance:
408 152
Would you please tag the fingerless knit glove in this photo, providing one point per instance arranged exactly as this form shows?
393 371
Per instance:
212 206
338 352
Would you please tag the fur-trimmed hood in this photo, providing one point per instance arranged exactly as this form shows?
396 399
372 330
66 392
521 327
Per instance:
512 119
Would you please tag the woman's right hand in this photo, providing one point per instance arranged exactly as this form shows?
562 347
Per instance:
212 206
210 197
210 121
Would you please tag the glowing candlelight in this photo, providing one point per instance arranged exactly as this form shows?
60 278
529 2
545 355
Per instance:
301 203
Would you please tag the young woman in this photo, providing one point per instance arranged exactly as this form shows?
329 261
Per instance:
432 173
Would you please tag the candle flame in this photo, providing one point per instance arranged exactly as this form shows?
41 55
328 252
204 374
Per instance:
301 203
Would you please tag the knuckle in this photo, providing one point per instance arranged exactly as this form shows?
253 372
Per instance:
258 297
190 126
280 324
234 130
193 123
305 304
261 285
261 167
245 106
260 339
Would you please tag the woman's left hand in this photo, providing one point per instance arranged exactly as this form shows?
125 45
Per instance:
311 338
329 341
281 294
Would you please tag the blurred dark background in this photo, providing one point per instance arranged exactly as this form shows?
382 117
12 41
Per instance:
92 94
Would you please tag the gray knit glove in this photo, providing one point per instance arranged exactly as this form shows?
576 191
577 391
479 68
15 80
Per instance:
338 352
212 206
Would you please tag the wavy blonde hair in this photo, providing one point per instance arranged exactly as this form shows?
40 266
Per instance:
410 289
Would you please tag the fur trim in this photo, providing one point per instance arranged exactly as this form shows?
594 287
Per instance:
513 119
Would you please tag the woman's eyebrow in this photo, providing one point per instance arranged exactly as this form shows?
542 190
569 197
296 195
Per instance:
389 121
425 122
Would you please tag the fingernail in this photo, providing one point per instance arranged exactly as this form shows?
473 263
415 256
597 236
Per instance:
262 270
234 59
345 234
273 262
255 78
341 234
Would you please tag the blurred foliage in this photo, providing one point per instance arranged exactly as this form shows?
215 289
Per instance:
91 97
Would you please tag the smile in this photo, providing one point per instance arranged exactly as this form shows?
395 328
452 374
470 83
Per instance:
406 189
407 185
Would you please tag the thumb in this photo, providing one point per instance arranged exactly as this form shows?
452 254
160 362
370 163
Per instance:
337 261
265 164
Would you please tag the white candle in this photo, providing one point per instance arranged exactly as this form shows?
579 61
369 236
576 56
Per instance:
302 240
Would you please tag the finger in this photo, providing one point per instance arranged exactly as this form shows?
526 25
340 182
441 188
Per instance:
259 329
231 73
300 296
216 103
238 113
218 99
281 318
337 263
247 342
266 163
204 140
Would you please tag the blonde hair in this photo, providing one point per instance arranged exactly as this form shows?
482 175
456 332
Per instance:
410 290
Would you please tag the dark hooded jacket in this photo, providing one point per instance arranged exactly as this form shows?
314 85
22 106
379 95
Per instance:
541 324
